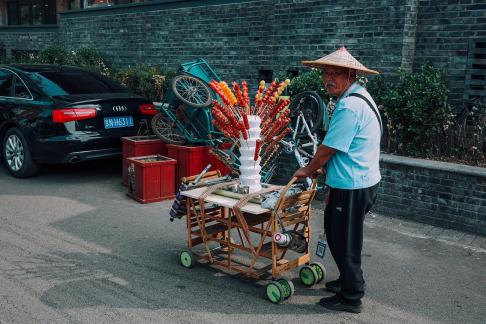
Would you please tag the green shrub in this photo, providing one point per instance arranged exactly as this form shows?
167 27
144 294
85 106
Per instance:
310 80
416 110
148 81
87 58
466 140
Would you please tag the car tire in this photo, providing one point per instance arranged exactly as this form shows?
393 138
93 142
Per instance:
17 156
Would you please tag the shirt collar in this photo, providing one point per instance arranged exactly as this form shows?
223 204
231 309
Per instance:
351 89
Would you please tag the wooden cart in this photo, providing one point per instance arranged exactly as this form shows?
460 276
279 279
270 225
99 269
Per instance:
244 234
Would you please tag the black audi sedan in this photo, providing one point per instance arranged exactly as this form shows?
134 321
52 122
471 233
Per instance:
60 114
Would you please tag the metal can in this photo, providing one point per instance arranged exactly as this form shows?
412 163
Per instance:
282 239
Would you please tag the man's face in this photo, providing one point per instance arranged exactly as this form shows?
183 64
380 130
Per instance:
337 79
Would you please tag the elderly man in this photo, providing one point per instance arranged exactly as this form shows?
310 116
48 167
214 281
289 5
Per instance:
350 151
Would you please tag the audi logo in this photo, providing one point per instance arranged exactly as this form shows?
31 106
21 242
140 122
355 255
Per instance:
119 108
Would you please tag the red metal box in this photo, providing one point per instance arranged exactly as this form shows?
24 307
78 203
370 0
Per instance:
191 160
153 178
140 146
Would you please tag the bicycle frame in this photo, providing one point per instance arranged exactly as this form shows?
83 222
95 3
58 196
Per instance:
292 145
201 69
169 111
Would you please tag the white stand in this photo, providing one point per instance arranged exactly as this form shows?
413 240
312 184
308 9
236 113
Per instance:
249 168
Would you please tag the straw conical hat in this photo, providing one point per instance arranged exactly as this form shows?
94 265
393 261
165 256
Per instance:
341 58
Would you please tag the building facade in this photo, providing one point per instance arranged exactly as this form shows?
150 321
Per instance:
243 39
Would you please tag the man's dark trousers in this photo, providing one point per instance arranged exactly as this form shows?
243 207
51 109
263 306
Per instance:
343 224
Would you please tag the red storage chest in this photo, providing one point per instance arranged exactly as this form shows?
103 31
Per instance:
191 160
153 178
140 146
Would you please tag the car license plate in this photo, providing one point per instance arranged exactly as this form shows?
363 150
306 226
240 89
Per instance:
118 122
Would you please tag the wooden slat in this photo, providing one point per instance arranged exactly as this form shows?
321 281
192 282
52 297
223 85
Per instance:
195 222
225 201
293 264
266 250
303 201
302 208
197 241
212 229
292 222
253 220
290 217
207 176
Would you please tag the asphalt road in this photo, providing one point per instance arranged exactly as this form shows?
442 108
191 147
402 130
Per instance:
75 249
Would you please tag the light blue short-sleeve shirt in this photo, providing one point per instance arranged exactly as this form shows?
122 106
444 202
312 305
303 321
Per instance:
355 133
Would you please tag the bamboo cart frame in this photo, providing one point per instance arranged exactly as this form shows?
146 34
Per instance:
211 218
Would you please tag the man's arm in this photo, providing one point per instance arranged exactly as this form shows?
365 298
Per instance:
322 156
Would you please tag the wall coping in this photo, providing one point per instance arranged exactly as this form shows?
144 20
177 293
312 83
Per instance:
434 165
28 28
146 6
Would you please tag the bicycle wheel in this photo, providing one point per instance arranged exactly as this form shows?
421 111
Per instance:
192 91
167 130
311 106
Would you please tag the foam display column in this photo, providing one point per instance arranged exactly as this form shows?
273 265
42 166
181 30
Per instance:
249 168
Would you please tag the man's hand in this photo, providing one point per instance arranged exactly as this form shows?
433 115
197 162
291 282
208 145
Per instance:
302 173
314 168
317 173
305 173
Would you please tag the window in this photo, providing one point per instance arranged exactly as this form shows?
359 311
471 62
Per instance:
476 72
31 12
5 83
74 4
13 13
20 90
265 75
97 3
81 4
3 54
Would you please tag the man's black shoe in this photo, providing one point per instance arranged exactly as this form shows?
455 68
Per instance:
333 286
337 304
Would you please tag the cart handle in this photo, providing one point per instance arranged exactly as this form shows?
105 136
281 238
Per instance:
286 188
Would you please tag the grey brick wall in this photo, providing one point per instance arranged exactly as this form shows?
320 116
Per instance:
238 39
438 193
444 29
27 38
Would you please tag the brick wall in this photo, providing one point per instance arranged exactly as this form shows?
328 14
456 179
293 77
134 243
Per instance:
238 39
444 32
438 193
22 38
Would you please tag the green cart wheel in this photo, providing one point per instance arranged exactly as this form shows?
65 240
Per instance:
308 276
188 259
288 287
275 292
320 270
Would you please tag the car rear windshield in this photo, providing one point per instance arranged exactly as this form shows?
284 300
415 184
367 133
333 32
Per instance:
59 83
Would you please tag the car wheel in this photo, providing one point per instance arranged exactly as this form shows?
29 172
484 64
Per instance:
16 154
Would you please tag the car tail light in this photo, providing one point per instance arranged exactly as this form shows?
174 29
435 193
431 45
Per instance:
148 109
65 115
